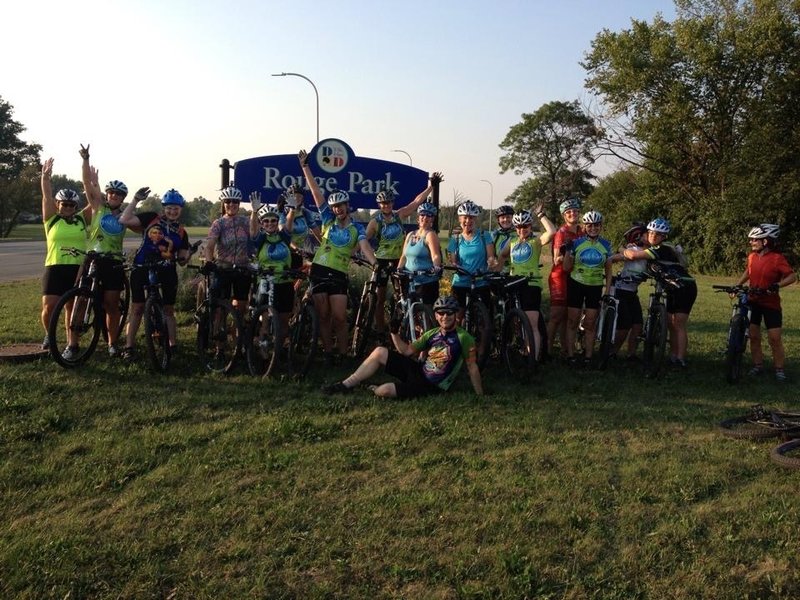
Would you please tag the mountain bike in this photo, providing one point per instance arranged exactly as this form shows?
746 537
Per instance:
477 320
738 328
415 316
264 342
73 344
303 333
787 454
761 423
514 339
654 331
607 322
156 333
219 327
362 325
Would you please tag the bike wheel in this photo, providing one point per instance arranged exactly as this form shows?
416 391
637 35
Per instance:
737 341
787 454
219 336
124 304
480 328
744 428
362 328
518 345
607 337
85 322
156 335
421 320
261 351
655 341
303 336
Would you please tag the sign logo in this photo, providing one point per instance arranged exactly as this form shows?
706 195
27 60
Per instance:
332 156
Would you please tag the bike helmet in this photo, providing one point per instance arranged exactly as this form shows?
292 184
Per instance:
67 195
659 225
294 189
523 217
384 197
115 185
231 193
267 210
172 198
569 203
338 197
446 303
592 217
764 231
633 234
506 209
426 208
468 208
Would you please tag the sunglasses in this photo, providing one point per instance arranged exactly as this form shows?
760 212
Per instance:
230 201
68 204
523 226
115 193
268 221
449 313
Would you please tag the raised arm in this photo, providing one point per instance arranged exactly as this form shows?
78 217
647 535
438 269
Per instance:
255 203
128 216
48 201
90 176
549 228
316 192
409 208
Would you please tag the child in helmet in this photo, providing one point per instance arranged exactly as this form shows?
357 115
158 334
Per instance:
767 269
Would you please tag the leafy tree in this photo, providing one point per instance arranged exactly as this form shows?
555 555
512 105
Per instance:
556 145
708 104
200 210
19 171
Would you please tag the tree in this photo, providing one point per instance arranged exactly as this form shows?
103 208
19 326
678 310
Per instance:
19 168
556 145
709 104
200 211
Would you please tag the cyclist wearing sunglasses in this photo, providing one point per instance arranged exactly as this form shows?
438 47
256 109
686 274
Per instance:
64 227
558 278
228 245
445 349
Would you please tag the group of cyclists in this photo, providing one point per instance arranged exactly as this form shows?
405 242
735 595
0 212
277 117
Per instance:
275 236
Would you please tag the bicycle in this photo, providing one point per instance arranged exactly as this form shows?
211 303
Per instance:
219 328
303 334
156 333
477 320
362 324
738 328
87 315
607 322
514 338
760 424
415 316
654 331
262 335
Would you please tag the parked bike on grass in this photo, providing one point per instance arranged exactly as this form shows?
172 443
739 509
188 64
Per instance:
738 328
514 339
477 320
363 324
81 309
415 316
655 329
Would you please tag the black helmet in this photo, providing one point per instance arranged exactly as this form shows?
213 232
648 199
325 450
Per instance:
446 303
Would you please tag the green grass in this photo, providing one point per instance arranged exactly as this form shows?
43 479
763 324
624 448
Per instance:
120 483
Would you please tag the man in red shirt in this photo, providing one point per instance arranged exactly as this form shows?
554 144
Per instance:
767 269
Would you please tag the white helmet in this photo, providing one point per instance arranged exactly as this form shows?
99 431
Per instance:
592 217
659 225
338 197
764 231
231 193
522 218
469 209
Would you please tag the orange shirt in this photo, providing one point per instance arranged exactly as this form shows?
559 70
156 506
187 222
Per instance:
763 270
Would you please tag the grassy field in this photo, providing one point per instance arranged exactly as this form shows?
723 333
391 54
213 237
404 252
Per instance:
120 483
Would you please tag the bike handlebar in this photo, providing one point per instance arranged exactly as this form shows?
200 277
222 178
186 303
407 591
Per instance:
733 290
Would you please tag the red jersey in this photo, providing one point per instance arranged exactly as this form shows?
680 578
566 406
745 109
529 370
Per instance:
562 236
763 270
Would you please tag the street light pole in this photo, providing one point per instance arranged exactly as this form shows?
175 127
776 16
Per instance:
316 93
410 161
491 200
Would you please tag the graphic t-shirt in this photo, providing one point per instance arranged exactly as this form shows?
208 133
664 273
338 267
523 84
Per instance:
590 260
446 353
337 242
105 231
232 235
525 255
390 236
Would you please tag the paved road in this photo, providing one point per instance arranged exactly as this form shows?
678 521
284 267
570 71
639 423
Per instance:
25 260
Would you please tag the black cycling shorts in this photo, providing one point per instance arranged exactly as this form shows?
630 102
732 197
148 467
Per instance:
484 293
167 276
111 274
629 312
385 265
412 382
682 299
530 297
328 281
579 294
222 282
773 317
58 279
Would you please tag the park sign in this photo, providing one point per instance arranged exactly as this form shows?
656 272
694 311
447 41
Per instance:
335 167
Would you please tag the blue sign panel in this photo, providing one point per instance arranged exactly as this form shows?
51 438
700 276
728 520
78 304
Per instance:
335 167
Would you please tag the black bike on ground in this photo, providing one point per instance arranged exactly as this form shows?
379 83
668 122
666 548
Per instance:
79 318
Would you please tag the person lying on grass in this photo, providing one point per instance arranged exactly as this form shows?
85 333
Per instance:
445 349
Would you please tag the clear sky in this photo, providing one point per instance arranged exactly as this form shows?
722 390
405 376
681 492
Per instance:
164 89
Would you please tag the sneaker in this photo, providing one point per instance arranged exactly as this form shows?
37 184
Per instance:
46 343
128 354
113 352
756 371
70 353
336 388
780 375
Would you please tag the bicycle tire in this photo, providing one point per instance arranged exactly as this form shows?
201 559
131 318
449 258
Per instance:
124 307
480 328
737 341
421 321
518 345
655 341
85 319
362 327
261 352
219 338
303 339
156 335
606 348
780 454
743 428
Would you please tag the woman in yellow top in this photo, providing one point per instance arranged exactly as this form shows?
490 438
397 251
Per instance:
64 227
